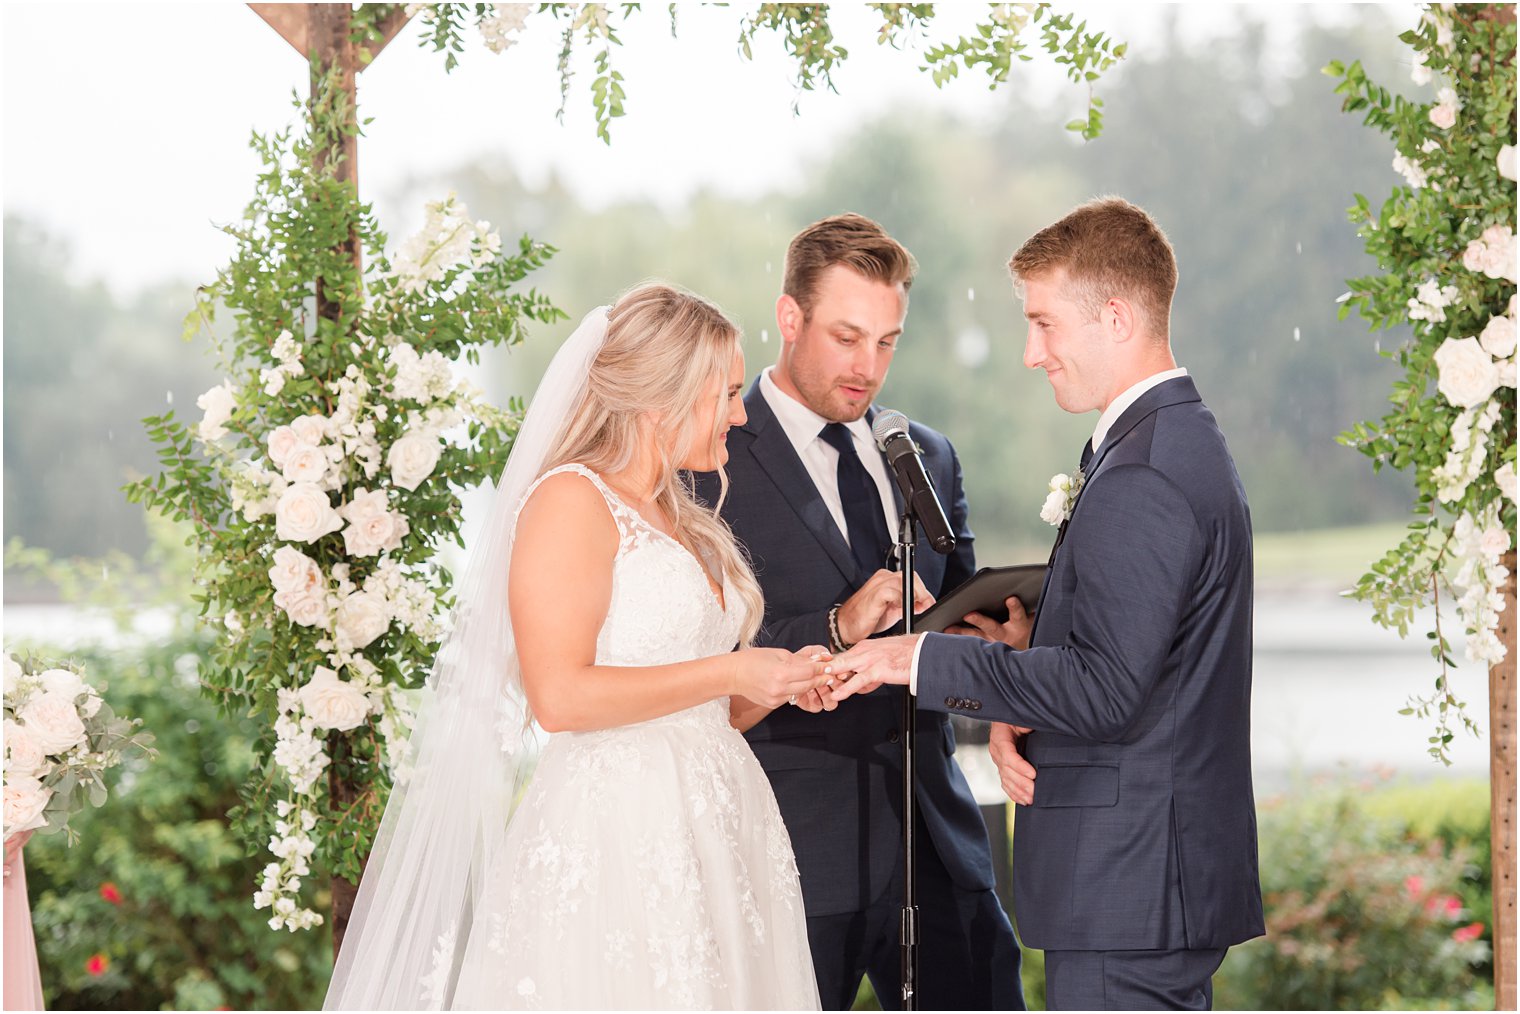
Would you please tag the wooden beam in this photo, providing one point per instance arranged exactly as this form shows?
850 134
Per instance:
291 21
1501 774
389 28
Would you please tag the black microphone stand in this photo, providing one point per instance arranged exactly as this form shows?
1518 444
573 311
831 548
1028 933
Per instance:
907 538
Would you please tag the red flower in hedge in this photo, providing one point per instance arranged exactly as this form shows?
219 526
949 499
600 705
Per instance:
1464 934
1414 886
97 964
110 893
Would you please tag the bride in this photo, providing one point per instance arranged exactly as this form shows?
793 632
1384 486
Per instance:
646 864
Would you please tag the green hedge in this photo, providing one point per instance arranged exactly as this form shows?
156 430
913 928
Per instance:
152 908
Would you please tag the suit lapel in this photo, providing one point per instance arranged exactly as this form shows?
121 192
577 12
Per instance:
775 454
1176 391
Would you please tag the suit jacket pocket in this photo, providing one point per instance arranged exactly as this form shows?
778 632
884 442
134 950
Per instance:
1058 785
791 753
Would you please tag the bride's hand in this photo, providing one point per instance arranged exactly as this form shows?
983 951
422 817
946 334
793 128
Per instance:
773 676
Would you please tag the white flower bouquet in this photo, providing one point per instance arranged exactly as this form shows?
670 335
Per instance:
60 737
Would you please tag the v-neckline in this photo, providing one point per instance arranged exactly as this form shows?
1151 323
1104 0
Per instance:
718 592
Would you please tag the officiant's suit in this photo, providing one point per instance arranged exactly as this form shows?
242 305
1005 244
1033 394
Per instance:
838 775
1142 835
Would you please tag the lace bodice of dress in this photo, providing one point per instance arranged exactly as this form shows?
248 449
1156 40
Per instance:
662 609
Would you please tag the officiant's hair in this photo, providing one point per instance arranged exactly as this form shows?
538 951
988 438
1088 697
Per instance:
663 350
1109 247
849 239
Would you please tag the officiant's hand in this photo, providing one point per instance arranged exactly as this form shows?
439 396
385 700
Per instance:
1014 770
1014 632
876 605
871 663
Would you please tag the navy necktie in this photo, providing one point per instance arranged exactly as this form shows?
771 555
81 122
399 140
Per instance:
1087 450
867 528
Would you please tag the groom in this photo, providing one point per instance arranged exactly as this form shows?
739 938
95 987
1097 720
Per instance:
812 502
1135 866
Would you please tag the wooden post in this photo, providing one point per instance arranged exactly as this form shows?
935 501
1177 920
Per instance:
321 33
1501 769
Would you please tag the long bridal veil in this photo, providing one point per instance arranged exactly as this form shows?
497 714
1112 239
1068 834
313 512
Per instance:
445 823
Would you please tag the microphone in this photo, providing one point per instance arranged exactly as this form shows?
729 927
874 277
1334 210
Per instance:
891 432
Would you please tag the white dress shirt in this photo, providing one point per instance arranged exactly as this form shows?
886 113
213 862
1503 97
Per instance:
1106 421
802 426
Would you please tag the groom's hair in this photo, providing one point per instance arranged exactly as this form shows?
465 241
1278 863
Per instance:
849 239
1108 247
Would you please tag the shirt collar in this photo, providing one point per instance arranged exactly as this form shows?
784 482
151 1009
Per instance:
801 423
1129 397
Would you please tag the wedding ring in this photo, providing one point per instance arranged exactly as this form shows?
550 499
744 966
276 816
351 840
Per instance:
792 699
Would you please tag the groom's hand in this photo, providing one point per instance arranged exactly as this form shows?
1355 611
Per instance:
1014 771
871 663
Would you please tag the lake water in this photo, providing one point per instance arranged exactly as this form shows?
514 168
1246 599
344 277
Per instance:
1328 685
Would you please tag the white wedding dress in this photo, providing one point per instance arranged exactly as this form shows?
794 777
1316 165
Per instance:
647 866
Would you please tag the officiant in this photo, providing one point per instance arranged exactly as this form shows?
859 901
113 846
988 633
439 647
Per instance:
811 500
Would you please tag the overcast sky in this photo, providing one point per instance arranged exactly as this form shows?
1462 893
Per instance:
126 125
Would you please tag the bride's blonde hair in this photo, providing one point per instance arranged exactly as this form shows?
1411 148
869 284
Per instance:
663 350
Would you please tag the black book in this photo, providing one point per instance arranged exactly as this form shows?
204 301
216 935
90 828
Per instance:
987 591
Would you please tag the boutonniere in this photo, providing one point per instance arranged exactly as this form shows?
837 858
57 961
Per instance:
1063 495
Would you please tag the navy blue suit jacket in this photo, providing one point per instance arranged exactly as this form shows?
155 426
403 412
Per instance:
1143 830
838 775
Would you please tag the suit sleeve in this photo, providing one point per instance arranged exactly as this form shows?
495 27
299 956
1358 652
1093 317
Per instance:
1135 550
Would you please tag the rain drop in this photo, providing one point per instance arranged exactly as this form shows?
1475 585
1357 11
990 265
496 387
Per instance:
169 397
972 347
105 572
767 267
1299 246
765 336
110 435
1297 334
970 295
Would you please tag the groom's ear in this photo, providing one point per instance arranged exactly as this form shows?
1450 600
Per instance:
1119 320
789 318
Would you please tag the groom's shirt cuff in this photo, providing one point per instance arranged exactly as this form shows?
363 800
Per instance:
913 669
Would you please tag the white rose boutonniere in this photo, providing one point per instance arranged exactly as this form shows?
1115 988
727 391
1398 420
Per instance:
1063 495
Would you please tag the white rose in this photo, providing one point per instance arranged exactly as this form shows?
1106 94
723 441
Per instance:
281 441
62 682
305 464
332 703
53 719
304 514
303 608
1494 541
310 429
413 458
1443 115
218 404
1468 376
372 528
1505 477
24 757
1498 337
1507 161
90 705
25 799
1053 512
293 570
362 617
12 674
285 348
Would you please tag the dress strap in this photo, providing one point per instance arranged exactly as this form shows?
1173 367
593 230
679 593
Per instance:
625 517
